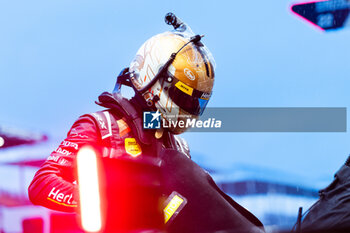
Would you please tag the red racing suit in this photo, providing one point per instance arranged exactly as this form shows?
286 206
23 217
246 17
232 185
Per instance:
54 185
204 207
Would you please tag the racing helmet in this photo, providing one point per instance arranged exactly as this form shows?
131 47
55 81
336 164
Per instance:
174 73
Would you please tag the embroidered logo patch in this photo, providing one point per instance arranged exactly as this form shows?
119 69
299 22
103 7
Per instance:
132 147
174 205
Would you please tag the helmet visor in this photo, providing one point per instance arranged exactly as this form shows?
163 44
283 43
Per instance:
188 98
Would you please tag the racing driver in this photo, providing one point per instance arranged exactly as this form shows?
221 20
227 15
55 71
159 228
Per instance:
172 76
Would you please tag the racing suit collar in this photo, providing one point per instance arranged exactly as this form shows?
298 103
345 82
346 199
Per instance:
131 110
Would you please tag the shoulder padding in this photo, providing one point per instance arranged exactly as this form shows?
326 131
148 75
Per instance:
104 123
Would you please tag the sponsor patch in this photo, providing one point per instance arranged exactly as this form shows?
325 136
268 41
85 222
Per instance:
205 96
53 158
60 198
132 147
69 144
123 127
174 204
100 121
63 151
63 161
74 134
184 88
189 74
58 160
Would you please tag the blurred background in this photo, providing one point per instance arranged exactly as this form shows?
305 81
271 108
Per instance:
56 57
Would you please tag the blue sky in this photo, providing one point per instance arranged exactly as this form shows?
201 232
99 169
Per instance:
56 57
